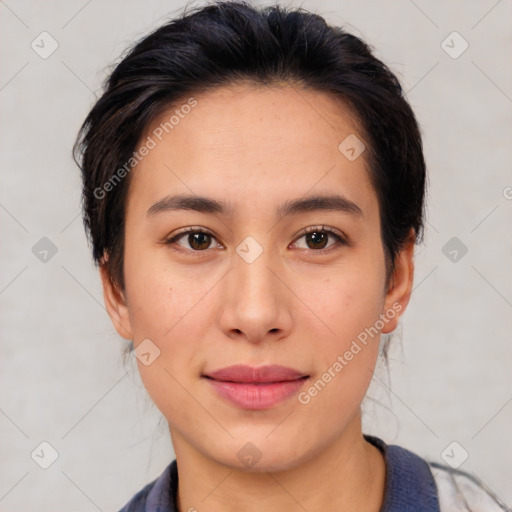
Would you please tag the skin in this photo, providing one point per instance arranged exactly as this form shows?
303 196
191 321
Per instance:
295 305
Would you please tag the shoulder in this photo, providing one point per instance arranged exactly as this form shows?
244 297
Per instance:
138 502
158 495
415 483
459 491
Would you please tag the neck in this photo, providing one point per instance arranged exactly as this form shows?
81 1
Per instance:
348 475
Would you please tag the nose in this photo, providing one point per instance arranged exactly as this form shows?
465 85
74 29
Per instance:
256 305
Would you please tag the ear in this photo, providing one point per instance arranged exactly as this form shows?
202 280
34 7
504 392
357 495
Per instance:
115 302
400 285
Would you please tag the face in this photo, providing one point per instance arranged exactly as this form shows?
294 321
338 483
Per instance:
267 276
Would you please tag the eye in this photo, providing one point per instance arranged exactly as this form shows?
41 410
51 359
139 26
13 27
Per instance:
198 240
317 237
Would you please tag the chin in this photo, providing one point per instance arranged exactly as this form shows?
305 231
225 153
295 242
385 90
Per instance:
260 457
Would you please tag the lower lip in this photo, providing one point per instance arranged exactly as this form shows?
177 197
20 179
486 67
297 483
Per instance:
256 396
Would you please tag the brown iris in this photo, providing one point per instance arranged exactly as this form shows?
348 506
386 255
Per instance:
317 237
199 241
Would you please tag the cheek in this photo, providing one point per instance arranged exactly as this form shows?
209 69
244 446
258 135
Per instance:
160 294
174 309
344 304
343 334
165 310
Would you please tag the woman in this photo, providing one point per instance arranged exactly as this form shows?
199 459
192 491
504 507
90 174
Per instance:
253 187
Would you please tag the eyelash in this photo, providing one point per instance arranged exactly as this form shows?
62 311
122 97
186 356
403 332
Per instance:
340 239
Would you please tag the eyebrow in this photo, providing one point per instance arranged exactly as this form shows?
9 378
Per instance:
333 202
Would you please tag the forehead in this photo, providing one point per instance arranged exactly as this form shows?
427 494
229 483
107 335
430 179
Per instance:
239 138
282 115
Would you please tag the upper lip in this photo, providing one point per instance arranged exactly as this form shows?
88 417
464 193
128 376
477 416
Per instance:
243 373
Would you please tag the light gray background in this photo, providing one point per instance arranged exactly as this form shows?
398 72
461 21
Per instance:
62 376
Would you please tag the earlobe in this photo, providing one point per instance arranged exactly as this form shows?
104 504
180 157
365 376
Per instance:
115 304
400 285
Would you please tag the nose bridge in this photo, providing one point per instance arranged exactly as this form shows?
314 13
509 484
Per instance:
255 304
255 283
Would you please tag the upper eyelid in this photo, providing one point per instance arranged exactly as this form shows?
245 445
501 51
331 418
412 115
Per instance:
322 227
187 231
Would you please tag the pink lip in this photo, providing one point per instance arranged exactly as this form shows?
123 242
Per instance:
256 388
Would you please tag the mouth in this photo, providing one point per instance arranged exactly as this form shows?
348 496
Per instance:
256 388
255 375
